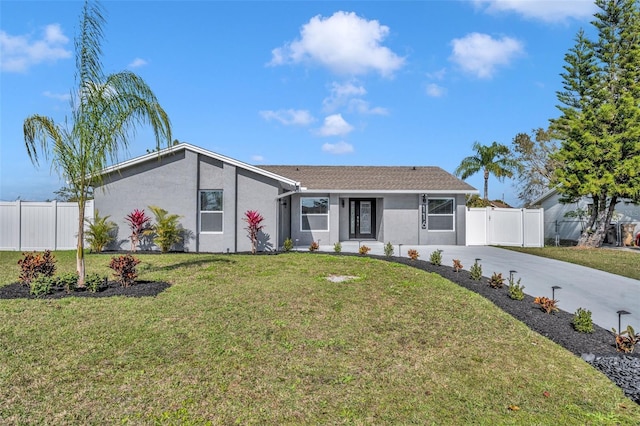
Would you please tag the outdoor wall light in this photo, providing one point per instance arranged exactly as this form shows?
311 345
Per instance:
342 202
553 291
621 312
424 198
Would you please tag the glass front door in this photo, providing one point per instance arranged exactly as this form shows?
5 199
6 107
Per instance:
362 218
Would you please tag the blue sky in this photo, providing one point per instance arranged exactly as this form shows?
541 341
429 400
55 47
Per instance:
301 82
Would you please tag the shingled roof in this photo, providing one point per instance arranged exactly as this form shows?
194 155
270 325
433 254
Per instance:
373 178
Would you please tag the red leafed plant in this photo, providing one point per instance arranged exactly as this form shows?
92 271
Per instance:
124 269
254 226
138 221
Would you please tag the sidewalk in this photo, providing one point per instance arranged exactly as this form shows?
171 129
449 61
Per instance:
580 287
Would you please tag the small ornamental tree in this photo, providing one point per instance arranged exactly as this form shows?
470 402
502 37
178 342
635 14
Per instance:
254 226
138 221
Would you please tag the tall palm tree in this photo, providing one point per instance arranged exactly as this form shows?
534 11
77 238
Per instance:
495 159
104 109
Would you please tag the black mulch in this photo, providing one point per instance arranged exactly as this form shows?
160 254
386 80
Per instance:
139 289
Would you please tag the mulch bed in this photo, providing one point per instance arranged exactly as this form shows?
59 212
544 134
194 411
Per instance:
139 289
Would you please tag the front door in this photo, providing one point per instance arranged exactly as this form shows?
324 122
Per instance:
362 218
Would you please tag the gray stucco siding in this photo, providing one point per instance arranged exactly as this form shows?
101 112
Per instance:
168 182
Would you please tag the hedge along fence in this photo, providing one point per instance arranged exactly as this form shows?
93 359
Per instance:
27 225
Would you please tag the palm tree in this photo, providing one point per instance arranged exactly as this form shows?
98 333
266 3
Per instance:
494 159
104 109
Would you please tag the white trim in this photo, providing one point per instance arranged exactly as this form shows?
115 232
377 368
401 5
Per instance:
200 212
389 191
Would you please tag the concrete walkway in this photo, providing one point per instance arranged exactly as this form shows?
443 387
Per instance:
600 292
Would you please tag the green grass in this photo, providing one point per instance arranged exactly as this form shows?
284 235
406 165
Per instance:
619 262
268 340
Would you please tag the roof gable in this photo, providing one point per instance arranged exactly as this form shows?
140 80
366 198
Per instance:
373 178
185 146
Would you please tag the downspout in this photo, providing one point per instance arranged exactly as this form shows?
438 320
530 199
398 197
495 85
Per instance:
197 203
235 216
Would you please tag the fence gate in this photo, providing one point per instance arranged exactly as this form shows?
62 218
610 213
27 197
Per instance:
505 227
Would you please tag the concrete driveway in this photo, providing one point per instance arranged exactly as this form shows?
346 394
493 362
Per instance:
602 293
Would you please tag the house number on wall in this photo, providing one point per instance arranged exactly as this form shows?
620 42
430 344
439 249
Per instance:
424 213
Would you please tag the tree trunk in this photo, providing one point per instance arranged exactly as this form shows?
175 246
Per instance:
592 238
486 184
80 244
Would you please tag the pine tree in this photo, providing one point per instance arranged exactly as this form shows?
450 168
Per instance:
600 117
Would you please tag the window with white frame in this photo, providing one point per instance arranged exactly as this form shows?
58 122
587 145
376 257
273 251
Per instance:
441 214
211 214
314 214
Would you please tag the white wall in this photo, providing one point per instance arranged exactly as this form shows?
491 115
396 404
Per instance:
28 226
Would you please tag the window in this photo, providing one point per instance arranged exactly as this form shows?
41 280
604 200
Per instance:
314 214
441 214
211 211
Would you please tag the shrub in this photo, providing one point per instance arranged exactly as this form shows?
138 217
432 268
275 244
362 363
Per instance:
496 280
138 222
388 249
476 271
337 247
166 230
516 290
364 249
457 266
124 268
41 285
436 258
626 340
34 264
94 282
99 232
69 281
254 226
288 245
582 321
314 246
413 254
546 304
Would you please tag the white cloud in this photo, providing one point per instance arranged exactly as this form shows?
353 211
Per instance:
344 43
19 53
289 117
347 95
137 63
480 54
547 11
58 96
335 125
435 91
257 158
337 148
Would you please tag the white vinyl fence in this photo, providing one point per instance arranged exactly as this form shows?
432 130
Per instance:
505 227
27 226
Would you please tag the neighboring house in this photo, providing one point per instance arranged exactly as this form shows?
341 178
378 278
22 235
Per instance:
211 193
560 227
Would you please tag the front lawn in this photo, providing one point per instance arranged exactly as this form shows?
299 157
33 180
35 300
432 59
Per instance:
616 261
267 339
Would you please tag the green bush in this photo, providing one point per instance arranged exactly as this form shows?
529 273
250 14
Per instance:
166 230
42 285
436 258
388 249
337 247
94 282
475 272
582 321
69 281
99 232
516 290
288 245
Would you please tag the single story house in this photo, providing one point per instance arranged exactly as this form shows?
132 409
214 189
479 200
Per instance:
325 204
561 223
